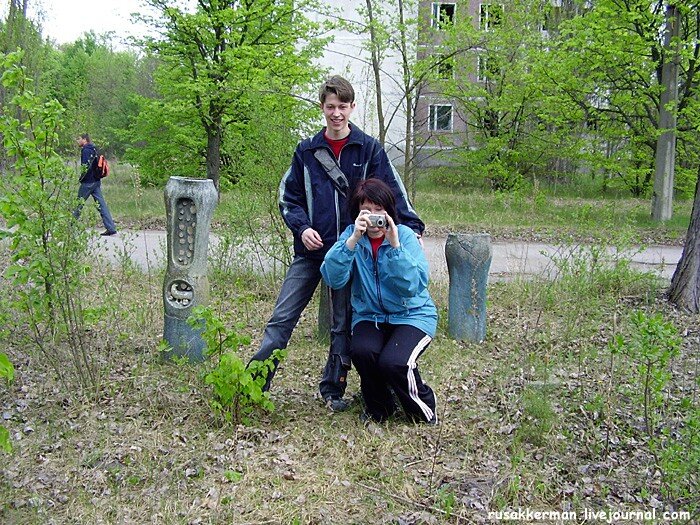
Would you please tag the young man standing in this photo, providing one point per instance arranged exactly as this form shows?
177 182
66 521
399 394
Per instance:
313 202
90 184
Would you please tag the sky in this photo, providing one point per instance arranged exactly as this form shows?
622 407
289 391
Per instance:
66 20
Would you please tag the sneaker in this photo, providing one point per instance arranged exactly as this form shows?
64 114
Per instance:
108 233
337 404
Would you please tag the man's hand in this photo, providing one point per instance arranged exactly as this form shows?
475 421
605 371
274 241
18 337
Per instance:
311 239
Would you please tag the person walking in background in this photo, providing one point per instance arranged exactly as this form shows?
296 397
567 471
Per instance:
313 200
90 184
393 316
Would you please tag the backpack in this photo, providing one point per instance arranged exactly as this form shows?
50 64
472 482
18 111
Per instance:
100 167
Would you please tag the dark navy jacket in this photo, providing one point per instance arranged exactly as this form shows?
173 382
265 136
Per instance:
308 198
87 170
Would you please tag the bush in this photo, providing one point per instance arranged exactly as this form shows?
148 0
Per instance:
237 389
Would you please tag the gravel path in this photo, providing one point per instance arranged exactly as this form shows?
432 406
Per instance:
517 258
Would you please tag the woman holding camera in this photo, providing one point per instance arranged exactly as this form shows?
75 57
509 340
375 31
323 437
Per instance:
393 316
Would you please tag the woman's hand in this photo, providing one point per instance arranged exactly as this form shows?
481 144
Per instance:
361 225
392 232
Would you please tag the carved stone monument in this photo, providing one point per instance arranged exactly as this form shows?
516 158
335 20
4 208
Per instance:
189 205
468 262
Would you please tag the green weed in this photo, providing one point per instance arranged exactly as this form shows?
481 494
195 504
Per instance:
651 346
237 386
7 372
538 417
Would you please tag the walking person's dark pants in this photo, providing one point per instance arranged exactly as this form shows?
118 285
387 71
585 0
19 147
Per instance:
297 290
385 356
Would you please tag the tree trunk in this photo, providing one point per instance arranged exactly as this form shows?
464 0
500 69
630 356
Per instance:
685 283
214 153
374 45
409 169
408 158
662 200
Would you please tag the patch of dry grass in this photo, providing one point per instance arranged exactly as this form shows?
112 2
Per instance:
535 417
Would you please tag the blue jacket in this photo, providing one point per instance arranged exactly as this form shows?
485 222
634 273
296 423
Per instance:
87 171
308 198
393 289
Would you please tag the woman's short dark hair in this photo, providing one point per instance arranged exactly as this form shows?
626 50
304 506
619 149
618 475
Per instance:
376 192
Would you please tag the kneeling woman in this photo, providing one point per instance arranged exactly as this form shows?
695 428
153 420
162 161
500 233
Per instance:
393 317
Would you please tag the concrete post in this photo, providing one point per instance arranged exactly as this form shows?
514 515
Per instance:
189 205
468 262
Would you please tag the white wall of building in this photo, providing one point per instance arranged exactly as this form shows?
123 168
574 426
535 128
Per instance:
347 56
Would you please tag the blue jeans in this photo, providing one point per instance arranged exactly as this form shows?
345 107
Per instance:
95 189
297 290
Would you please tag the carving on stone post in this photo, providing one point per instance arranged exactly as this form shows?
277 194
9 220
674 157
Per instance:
468 262
189 206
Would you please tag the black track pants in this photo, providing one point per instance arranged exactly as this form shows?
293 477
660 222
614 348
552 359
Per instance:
386 356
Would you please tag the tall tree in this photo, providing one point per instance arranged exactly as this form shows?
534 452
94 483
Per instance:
220 59
401 69
615 53
95 84
685 283
498 95
17 32
665 162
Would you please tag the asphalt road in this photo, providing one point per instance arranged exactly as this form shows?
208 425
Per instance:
510 259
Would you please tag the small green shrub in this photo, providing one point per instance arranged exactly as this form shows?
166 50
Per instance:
48 264
237 387
651 345
538 417
678 455
7 371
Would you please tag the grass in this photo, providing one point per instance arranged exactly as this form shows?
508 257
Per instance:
539 416
535 417
545 213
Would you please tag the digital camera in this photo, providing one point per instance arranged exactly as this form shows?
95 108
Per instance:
377 220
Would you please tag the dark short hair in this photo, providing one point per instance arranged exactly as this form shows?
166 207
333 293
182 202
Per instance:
338 86
85 136
375 191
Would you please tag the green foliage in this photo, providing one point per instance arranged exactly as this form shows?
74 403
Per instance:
237 388
678 454
445 500
219 79
48 246
174 148
611 72
96 85
514 130
538 417
600 270
651 345
251 209
7 372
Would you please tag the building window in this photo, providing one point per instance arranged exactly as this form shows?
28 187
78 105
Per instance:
443 14
486 69
445 68
440 117
490 15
